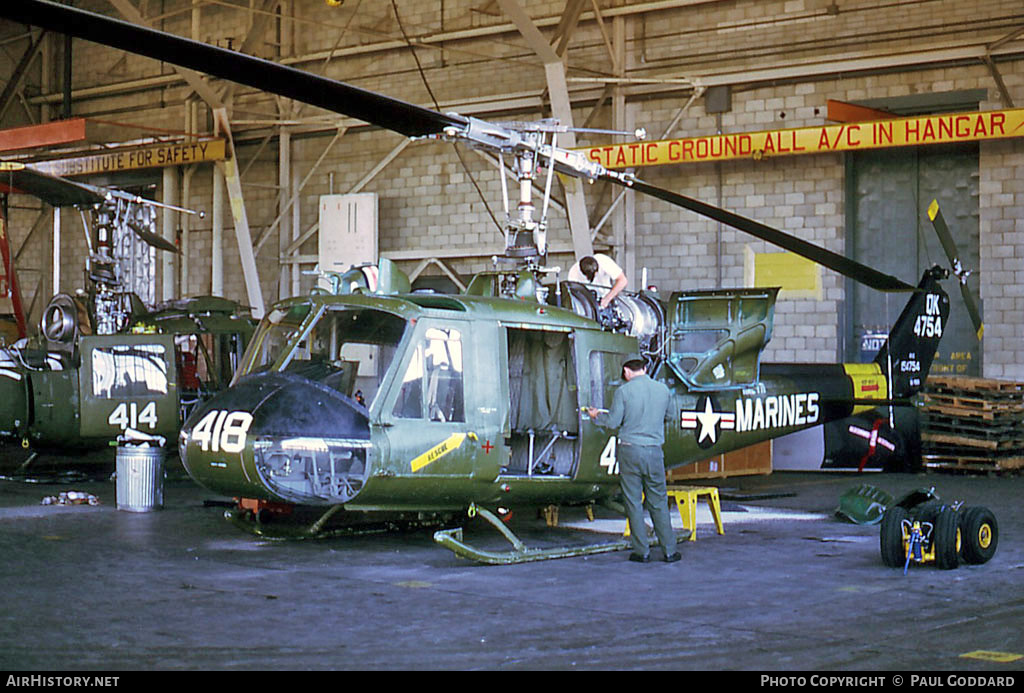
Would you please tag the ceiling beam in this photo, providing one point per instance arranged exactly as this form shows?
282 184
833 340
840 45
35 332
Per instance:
567 25
561 109
13 86
193 78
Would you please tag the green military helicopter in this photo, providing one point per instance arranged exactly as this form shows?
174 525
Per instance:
369 400
102 362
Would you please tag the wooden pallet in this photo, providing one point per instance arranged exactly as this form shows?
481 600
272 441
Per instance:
930 439
972 424
973 464
958 405
1001 427
989 386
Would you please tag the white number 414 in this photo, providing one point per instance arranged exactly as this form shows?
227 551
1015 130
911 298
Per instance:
127 415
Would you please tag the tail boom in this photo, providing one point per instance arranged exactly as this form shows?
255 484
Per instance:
907 355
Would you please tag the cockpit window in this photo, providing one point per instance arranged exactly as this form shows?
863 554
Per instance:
348 349
123 370
275 332
432 385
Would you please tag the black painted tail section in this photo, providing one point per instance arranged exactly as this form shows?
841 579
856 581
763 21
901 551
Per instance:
907 356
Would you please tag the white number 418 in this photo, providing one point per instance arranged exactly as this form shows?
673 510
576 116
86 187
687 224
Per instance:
222 431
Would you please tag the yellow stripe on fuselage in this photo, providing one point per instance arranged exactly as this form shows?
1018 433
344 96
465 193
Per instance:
868 383
435 453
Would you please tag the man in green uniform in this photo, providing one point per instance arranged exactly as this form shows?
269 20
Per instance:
640 408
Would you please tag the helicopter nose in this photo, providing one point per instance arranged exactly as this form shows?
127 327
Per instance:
279 436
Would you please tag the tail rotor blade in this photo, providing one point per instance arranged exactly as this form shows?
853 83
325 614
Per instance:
945 237
949 246
972 309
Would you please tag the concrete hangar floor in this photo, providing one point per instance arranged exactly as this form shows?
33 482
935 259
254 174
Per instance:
787 587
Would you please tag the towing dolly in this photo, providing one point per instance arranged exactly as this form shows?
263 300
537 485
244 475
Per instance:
920 528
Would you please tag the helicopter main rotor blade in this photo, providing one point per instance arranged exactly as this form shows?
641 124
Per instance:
158 242
838 263
52 190
949 245
402 117
399 116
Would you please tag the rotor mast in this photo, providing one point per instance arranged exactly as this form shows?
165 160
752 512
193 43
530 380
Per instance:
534 149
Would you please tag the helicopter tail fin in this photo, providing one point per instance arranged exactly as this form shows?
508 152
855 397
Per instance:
907 356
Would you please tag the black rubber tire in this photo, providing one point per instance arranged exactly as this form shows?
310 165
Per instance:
894 554
980 534
947 539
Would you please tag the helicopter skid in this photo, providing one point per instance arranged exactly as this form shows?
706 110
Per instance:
452 539
332 522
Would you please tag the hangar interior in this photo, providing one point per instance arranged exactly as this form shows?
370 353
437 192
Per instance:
836 121
684 70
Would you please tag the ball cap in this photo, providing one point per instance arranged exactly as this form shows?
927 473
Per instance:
633 361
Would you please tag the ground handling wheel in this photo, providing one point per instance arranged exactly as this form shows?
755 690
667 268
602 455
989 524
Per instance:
891 538
947 539
980 534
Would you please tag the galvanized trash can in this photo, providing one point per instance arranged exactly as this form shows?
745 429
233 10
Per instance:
140 476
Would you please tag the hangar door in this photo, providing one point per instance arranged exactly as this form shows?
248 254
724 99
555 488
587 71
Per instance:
888 196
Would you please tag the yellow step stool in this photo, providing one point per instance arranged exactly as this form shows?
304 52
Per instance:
686 501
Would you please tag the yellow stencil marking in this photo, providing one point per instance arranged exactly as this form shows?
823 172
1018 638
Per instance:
868 383
438 451
989 656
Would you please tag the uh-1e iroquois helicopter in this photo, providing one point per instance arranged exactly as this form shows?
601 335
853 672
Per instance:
104 362
370 400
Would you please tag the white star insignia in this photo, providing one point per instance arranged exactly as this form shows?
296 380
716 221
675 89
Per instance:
708 420
706 424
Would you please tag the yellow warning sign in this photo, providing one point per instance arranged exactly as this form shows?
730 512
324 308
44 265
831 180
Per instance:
141 157
438 451
901 132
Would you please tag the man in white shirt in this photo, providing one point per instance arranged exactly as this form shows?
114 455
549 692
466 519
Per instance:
600 270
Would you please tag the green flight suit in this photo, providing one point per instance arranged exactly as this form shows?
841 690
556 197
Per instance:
640 408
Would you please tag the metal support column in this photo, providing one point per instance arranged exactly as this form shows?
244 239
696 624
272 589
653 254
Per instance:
217 239
284 186
56 250
169 227
623 226
233 183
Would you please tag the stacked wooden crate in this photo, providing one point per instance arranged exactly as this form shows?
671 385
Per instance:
972 424
754 459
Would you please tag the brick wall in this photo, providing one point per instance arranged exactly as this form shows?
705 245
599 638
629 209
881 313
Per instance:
427 201
1002 257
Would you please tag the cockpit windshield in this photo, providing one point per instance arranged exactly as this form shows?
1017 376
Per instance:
276 331
345 347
